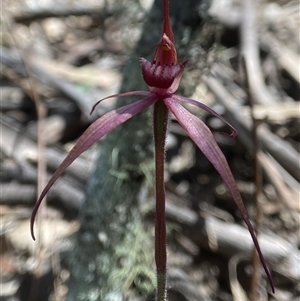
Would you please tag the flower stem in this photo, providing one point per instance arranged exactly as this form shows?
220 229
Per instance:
161 114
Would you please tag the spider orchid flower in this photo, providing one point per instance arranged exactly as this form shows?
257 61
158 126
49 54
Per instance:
162 76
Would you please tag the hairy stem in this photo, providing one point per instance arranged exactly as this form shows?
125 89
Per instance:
160 130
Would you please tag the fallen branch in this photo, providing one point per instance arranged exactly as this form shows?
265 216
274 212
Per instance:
250 53
29 14
286 57
25 194
182 286
284 153
83 100
231 239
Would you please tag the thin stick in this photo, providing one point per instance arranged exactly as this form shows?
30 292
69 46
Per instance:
250 58
41 164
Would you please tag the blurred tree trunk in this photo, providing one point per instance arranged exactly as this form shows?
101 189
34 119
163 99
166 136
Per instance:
113 255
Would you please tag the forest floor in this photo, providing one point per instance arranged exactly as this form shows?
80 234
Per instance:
59 57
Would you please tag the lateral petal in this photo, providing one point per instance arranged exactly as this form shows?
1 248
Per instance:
132 93
207 109
94 132
203 138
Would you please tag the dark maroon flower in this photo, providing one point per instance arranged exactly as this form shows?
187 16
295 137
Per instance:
163 76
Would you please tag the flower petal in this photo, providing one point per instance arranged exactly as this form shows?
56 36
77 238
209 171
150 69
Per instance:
94 132
207 109
132 93
204 139
162 79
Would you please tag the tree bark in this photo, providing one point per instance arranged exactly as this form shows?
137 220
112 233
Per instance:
113 254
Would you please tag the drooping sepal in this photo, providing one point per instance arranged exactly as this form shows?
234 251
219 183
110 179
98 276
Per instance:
162 79
99 128
203 138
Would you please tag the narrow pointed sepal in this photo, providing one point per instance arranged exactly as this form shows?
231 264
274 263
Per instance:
94 132
203 138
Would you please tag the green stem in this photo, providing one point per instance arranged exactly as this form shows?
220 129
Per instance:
160 129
